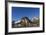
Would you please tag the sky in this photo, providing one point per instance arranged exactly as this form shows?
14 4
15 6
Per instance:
19 12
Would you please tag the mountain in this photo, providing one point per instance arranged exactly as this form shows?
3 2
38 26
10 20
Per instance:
26 22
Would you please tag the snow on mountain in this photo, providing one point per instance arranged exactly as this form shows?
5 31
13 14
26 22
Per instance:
35 18
17 21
